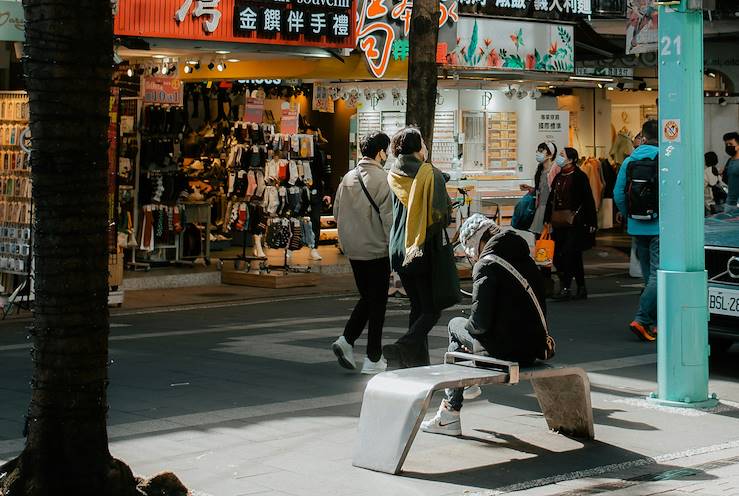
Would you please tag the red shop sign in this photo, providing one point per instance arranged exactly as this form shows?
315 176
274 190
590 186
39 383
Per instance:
313 23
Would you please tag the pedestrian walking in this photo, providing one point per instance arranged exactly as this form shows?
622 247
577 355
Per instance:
636 196
420 251
714 189
546 171
364 213
574 220
508 313
731 171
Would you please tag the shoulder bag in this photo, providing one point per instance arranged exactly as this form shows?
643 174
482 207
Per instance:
551 345
366 193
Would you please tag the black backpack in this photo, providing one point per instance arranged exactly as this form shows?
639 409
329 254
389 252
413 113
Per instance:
642 188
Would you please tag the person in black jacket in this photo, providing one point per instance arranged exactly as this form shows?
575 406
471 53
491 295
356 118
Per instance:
571 212
504 320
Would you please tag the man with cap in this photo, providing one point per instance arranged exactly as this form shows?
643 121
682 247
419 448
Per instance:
504 320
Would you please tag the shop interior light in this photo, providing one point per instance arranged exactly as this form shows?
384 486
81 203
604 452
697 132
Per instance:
233 61
600 85
187 69
172 69
509 93
650 89
159 56
710 74
723 102
211 66
591 78
165 69
611 88
521 94
620 86
192 62
223 52
221 66
129 72
154 70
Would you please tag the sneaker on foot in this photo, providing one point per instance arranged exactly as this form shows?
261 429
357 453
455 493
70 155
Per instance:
371 367
446 421
344 352
472 392
315 255
641 331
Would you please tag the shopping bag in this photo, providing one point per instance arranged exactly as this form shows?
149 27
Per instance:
544 248
605 214
444 276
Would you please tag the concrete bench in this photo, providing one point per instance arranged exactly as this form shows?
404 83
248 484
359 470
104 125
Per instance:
395 402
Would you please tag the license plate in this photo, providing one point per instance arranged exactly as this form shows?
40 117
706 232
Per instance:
723 301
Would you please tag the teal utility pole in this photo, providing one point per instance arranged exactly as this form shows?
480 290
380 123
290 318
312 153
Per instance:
682 342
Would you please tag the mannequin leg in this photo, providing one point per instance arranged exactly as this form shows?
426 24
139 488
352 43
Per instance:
258 251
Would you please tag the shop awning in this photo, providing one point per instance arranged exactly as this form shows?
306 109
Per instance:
589 45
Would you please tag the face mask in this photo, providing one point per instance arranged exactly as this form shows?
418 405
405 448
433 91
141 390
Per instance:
540 157
560 161
730 150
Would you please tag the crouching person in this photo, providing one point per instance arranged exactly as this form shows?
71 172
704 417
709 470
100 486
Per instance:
508 314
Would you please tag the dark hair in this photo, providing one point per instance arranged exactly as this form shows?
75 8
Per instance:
572 154
406 141
649 130
373 143
544 148
711 159
732 136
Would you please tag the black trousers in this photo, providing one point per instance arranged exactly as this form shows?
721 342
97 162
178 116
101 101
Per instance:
371 277
316 204
568 255
423 317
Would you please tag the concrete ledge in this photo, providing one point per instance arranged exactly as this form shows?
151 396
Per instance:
152 280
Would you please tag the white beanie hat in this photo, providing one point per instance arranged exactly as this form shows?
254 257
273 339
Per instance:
472 231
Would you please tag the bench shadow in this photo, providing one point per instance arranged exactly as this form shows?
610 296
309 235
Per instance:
519 474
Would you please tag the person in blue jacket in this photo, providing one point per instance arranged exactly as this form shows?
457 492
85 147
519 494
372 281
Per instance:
646 235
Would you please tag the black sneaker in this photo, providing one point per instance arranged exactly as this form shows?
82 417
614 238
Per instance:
563 295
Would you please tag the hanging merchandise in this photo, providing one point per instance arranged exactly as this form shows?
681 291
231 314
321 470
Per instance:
278 233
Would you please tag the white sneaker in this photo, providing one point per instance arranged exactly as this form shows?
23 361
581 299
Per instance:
446 421
315 255
371 367
344 352
472 392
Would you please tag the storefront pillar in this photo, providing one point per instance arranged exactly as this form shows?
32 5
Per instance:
682 358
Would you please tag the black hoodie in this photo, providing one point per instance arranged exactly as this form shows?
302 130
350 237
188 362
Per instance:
504 318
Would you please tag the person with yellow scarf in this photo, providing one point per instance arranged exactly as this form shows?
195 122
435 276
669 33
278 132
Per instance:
420 251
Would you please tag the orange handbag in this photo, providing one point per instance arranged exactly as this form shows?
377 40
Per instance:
544 248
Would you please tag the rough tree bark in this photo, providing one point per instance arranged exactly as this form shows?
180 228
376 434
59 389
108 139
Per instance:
68 67
422 69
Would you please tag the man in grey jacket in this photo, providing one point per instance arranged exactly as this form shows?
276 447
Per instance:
363 212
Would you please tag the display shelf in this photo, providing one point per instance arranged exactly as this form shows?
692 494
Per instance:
445 147
501 141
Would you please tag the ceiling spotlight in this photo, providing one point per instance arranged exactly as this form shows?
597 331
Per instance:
233 61
223 52
521 94
154 70
172 69
140 71
710 74
187 69
192 62
650 89
620 86
535 94
551 87
509 93
165 69
196 66
129 72
159 56
600 85
723 102
221 66
611 88
211 66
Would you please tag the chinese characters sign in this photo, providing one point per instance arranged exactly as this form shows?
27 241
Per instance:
311 23
552 10
294 19
383 27
553 126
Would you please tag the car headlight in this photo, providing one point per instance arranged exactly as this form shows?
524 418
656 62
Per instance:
732 266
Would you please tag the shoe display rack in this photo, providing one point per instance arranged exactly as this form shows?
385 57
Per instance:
16 215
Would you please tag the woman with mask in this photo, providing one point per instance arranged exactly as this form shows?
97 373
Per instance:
572 215
545 174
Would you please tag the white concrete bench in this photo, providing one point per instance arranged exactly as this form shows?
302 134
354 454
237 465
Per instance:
395 402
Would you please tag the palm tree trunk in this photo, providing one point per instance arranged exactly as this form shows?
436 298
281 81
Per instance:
422 70
68 68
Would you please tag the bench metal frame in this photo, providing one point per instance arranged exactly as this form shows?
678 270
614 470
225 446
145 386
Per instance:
395 402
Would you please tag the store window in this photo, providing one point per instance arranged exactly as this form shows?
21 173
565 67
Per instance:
609 7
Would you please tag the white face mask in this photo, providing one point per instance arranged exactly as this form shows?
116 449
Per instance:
540 157
560 161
